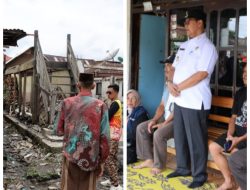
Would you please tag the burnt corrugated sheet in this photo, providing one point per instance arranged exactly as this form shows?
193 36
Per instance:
10 36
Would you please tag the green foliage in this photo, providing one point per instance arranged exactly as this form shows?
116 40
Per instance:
120 59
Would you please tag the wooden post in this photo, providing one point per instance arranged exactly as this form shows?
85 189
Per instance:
34 94
69 58
4 63
14 94
68 42
24 94
20 94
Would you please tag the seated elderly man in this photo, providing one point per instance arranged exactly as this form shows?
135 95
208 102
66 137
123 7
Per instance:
155 156
236 136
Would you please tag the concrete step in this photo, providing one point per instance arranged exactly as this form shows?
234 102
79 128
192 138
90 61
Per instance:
35 135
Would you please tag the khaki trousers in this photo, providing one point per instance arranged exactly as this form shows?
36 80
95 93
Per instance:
153 146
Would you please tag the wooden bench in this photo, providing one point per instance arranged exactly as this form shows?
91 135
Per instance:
214 131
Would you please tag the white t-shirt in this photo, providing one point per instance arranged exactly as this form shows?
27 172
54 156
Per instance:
168 101
197 54
169 106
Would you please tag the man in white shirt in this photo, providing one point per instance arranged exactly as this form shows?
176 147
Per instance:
151 144
193 67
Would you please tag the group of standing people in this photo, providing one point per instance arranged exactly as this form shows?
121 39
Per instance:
185 105
92 131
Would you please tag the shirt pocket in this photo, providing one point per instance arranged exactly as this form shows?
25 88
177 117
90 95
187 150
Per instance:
179 57
194 58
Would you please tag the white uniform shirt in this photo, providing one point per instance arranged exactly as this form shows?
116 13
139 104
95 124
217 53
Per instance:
197 54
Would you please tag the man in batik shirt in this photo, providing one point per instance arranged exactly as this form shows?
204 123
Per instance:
84 123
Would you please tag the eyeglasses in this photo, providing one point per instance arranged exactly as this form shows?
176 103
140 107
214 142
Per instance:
108 92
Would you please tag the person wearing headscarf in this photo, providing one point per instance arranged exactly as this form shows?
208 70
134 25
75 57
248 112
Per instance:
136 114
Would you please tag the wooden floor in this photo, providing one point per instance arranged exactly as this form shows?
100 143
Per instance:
214 176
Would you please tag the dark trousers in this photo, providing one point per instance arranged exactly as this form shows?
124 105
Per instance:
190 135
238 166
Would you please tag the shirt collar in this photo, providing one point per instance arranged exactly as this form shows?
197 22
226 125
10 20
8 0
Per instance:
198 39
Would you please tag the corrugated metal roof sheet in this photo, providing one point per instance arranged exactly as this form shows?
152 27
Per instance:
110 63
10 36
55 58
104 72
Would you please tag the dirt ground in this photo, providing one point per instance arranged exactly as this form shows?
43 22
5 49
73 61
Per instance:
27 166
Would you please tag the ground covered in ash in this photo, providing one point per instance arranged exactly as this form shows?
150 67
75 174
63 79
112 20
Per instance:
28 166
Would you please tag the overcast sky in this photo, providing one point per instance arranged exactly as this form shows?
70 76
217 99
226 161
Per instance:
95 26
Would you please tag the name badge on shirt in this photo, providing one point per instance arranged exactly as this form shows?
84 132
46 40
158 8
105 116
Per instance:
177 58
195 49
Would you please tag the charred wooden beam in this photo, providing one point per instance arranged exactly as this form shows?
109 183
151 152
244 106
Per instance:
34 94
20 94
24 94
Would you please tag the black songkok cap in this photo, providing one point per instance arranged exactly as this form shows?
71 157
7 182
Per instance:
196 14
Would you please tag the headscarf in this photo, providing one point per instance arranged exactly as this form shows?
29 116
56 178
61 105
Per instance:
136 95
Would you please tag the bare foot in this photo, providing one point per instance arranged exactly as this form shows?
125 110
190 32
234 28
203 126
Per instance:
145 164
226 186
155 171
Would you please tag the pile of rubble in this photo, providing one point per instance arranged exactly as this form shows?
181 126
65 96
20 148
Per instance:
27 166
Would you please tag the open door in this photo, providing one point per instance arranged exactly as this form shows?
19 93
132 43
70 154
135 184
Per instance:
151 51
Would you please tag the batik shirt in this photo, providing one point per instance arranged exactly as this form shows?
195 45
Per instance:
84 122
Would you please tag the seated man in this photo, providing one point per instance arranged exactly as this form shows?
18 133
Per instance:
237 134
155 156
238 165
